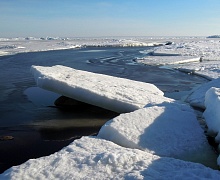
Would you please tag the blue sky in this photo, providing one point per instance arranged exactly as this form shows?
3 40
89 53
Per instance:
90 18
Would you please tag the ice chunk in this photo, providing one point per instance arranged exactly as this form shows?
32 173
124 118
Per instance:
93 158
116 94
171 130
212 113
197 98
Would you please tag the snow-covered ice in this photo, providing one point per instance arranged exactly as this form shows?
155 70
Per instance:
212 114
209 49
94 158
161 60
208 69
10 46
152 136
170 130
197 98
183 52
116 94
199 56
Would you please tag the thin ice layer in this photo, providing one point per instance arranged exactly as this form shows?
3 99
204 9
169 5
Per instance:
93 158
116 94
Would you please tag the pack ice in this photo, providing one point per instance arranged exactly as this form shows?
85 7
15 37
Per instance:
113 93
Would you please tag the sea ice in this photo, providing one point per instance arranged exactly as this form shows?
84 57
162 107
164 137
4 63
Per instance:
212 114
116 94
163 127
206 48
33 44
208 69
197 98
170 130
161 60
183 52
94 158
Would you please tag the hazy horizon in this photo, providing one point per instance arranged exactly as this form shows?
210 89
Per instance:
38 18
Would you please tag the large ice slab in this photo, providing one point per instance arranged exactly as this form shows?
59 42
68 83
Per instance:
212 114
171 130
197 98
116 94
93 158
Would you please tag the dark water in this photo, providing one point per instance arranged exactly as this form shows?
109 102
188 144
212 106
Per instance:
40 130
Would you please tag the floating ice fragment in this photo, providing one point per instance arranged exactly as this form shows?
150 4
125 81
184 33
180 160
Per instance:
116 94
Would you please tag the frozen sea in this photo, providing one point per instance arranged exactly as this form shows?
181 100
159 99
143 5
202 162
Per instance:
38 128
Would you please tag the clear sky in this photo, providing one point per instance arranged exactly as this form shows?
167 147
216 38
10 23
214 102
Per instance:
89 18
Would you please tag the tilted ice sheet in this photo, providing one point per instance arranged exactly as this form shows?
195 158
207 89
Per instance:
197 98
116 94
212 114
93 158
170 130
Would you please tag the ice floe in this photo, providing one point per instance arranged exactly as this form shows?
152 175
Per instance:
94 158
197 97
212 114
116 94
170 130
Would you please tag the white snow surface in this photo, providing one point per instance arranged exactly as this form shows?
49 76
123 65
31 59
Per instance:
209 49
185 53
10 46
197 98
168 60
212 114
116 94
94 158
170 130
200 56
